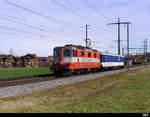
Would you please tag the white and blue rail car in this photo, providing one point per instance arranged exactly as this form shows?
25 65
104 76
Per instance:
112 61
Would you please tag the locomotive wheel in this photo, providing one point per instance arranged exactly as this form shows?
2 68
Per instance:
77 72
89 71
95 70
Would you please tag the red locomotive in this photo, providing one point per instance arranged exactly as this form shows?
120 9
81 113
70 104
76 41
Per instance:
75 59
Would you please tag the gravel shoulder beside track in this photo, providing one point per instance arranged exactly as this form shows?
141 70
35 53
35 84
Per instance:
33 87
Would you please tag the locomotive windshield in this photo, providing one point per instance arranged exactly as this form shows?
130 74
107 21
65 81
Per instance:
67 53
57 52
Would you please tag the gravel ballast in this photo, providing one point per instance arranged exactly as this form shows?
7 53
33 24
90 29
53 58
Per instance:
33 87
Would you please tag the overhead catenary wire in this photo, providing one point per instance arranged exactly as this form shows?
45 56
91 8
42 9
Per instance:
92 6
21 31
31 10
98 3
70 25
80 16
31 36
28 25
30 22
66 24
31 33
101 3
67 8
102 9
81 10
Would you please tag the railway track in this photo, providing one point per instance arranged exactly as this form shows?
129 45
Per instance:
5 82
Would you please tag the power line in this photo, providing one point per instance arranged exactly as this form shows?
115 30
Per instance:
30 22
81 16
28 25
97 4
21 31
92 6
95 17
36 13
38 26
10 35
33 11
66 24
99 1
107 8
31 33
72 11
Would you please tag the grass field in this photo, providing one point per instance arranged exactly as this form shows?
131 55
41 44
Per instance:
121 93
8 73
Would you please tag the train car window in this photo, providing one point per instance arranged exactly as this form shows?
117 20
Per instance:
57 52
82 53
106 60
119 59
67 53
95 55
89 54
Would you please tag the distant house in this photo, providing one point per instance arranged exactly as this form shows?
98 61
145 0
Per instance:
19 62
135 59
30 61
43 61
27 61
7 61
138 59
2 62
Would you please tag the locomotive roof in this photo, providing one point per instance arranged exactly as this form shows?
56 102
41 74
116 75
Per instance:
86 48
82 47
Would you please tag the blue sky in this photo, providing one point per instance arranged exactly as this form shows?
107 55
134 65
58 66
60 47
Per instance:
27 32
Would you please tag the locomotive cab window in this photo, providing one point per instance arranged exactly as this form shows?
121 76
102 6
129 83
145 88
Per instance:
89 54
67 53
57 52
82 53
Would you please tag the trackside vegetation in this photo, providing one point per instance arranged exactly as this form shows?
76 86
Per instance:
121 93
18 72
